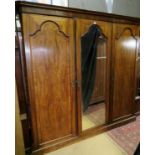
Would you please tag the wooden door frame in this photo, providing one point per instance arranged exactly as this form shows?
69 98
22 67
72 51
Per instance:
78 77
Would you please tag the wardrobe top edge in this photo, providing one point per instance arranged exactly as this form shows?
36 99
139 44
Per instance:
20 5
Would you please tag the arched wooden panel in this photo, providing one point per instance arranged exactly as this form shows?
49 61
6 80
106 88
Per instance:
54 25
50 71
124 56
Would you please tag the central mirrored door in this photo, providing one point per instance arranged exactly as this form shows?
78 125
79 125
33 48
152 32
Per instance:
93 72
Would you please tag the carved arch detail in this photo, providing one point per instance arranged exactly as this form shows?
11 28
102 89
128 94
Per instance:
125 29
49 21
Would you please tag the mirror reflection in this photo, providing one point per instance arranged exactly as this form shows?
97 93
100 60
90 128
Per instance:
93 66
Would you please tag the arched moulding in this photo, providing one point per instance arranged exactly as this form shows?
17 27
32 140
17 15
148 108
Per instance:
126 29
52 22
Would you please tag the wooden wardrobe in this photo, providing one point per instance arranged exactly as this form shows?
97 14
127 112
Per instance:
48 72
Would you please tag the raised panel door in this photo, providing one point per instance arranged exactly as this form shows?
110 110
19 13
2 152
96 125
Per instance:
124 60
49 58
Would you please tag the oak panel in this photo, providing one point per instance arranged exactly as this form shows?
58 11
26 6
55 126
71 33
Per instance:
50 69
124 57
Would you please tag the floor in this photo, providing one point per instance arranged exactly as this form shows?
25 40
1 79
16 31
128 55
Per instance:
94 116
98 145
119 141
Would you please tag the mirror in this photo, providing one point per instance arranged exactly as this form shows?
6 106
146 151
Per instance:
93 66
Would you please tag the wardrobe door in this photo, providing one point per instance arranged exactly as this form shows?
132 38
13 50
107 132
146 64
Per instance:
124 59
50 71
96 112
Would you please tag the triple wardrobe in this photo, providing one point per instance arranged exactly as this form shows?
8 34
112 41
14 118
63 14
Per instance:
77 73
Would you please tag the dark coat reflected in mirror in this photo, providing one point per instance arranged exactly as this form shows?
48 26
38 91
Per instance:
93 69
89 43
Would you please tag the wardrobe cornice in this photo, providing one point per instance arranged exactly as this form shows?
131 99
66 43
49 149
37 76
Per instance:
46 9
